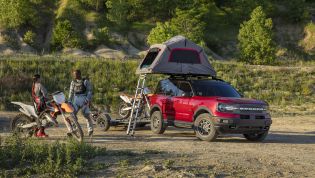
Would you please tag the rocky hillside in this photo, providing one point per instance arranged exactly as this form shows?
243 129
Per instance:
119 29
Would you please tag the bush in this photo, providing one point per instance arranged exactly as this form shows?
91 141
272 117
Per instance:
29 38
29 157
102 35
65 36
256 39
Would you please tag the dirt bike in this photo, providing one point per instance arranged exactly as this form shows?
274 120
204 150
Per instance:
101 118
29 120
125 106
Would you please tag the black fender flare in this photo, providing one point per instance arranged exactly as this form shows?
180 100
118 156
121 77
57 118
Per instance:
155 108
200 110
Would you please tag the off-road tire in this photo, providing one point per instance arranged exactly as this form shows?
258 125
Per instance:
77 132
21 118
103 122
123 114
204 128
157 124
256 137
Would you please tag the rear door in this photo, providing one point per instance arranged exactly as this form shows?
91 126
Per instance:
182 102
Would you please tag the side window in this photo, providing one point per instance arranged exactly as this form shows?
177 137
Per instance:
184 89
150 57
167 87
188 56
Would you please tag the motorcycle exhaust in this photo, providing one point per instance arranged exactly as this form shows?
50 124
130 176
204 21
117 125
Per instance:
27 126
126 109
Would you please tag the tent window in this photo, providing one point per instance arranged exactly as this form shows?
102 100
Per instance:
149 58
184 55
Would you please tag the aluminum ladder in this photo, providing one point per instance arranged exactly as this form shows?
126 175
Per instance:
136 105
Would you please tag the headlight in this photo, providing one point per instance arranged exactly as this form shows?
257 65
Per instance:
222 107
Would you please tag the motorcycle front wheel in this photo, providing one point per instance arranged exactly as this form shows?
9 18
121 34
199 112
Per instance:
77 132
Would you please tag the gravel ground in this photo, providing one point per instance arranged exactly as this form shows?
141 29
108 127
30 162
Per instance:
288 151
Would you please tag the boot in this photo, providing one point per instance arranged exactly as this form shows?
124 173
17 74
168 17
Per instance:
41 133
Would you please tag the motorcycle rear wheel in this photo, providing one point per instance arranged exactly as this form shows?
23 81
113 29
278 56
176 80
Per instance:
17 122
124 114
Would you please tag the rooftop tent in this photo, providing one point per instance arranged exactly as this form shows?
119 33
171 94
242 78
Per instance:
179 56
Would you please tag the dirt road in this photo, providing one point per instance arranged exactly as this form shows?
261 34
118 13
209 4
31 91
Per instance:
288 151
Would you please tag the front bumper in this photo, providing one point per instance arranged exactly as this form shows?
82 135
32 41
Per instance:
243 126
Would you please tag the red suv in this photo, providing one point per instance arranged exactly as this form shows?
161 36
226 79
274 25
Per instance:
209 106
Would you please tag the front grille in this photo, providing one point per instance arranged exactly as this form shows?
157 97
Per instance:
248 108
244 116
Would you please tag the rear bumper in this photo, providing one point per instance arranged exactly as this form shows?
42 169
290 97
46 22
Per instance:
243 126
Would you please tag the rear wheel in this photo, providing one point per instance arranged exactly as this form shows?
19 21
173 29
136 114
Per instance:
157 124
77 132
204 128
256 137
103 122
123 113
16 126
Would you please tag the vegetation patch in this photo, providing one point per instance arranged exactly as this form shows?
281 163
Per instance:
26 157
288 90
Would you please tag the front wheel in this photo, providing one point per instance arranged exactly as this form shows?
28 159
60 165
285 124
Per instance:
256 137
76 128
103 122
204 128
16 126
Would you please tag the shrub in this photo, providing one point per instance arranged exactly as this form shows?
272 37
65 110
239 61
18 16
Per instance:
64 35
102 35
29 157
29 38
256 39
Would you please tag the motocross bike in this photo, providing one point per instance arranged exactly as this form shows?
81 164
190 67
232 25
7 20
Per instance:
29 120
101 118
125 106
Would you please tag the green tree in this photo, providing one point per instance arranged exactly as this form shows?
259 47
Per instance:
186 22
256 39
64 35
119 13
14 13
161 33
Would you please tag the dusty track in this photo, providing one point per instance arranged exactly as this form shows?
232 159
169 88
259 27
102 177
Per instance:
288 151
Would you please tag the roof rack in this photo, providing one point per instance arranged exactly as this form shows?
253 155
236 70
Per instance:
189 77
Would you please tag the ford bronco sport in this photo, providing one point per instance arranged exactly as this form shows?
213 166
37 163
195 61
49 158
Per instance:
209 106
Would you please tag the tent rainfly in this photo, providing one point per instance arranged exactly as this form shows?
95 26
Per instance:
177 56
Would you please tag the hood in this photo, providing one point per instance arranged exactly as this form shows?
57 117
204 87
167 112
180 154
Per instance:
240 101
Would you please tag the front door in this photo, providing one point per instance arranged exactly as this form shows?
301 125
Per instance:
182 103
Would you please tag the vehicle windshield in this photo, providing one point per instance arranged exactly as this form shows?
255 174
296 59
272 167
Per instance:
214 88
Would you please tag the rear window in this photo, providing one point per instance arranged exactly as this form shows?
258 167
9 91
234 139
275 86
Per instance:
214 88
149 58
184 55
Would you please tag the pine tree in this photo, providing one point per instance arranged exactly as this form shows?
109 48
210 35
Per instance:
256 39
